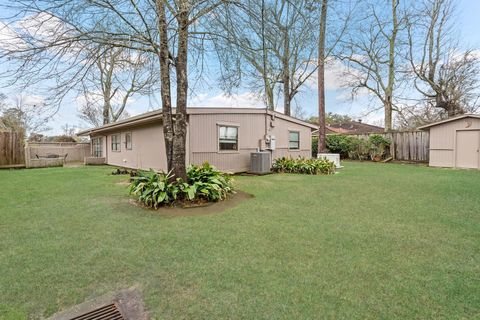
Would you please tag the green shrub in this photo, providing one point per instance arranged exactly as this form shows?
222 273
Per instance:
204 183
154 188
314 146
208 183
337 143
355 148
359 149
303 166
378 146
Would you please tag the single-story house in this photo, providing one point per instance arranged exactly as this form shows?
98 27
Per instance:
455 142
225 137
351 127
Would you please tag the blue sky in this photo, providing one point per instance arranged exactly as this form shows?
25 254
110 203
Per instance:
467 22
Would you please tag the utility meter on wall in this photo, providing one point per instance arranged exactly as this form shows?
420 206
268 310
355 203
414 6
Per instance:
271 142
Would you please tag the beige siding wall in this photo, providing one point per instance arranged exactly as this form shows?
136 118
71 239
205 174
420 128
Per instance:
281 129
442 141
251 130
148 148
204 139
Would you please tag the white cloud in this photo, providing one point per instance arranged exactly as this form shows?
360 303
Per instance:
26 99
336 72
40 28
242 100
97 97
9 39
42 25
33 100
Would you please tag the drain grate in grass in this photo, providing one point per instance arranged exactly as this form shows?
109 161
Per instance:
108 312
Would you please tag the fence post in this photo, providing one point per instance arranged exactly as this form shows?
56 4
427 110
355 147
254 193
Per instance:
392 147
27 155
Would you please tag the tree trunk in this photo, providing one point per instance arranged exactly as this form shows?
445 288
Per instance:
388 113
106 85
106 111
391 69
286 74
269 97
179 141
164 60
322 145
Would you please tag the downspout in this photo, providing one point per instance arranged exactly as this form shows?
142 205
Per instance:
266 124
189 151
266 135
106 149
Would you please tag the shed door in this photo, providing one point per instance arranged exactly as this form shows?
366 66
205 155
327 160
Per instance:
467 149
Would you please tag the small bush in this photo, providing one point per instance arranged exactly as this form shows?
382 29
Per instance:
314 146
303 166
154 189
378 146
340 144
205 184
359 149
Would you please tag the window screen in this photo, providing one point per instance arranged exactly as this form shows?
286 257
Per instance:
116 142
294 140
228 138
97 147
128 141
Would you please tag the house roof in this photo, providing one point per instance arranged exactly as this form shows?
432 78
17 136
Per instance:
156 115
351 127
463 116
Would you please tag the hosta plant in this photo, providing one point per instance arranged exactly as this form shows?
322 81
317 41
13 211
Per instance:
204 184
303 165
154 189
209 183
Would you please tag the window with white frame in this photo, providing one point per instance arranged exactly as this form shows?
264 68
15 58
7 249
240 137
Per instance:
116 142
128 141
294 140
97 147
227 138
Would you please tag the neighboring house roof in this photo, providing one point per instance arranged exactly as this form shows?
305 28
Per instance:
352 127
156 115
463 116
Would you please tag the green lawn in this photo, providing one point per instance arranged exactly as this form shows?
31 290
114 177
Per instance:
376 241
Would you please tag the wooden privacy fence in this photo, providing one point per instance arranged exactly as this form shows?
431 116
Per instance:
406 145
11 149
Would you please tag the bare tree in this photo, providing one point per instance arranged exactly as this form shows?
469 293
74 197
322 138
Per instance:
26 116
294 45
116 76
410 117
275 45
171 31
371 53
446 78
245 52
